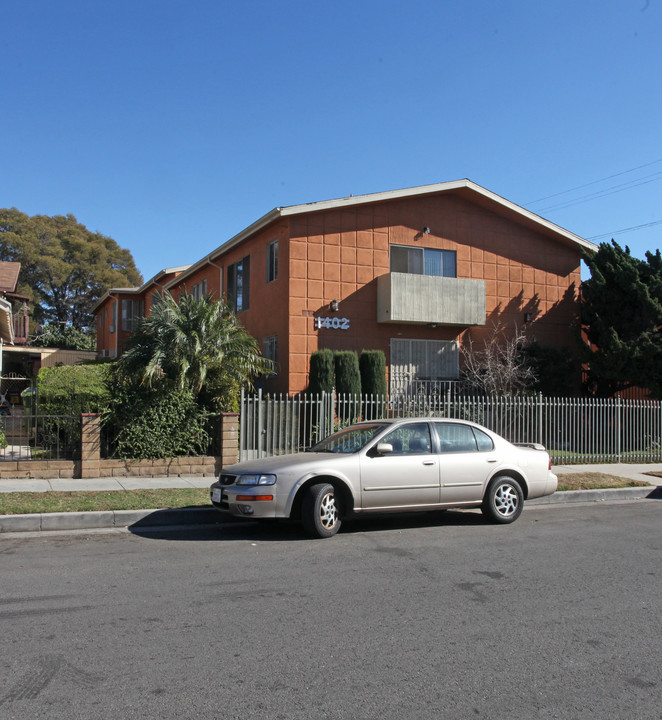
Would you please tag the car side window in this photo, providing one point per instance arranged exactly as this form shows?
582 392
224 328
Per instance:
455 438
485 442
412 439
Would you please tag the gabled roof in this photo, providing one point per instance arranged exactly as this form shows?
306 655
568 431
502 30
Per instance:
464 188
9 276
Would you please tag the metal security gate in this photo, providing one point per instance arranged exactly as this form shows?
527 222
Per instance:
416 364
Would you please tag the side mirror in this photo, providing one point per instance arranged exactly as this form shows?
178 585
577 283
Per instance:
384 448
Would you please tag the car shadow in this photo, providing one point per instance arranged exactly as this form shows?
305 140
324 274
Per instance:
163 525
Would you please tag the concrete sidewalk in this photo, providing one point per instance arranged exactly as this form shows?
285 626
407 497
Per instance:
633 472
155 518
110 483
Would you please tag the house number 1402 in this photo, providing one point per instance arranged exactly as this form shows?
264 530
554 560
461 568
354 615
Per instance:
334 323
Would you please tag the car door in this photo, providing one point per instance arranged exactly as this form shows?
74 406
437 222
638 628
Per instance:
408 477
466 460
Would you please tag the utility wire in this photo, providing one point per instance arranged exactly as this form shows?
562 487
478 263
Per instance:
594 182
607 191
625 230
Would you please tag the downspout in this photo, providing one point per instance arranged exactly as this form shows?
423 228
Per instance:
220 278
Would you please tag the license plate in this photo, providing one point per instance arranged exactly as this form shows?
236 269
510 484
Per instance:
216 494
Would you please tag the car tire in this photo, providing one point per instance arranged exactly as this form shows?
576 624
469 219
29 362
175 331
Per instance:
503 501
319 511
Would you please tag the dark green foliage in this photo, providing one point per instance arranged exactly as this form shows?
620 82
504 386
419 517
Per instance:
73 389
348 385
372 364
556 371
321 372
348 376
65 268
66 337
622 318
199 345
156 422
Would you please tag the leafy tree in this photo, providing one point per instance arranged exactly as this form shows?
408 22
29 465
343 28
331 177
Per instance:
65 268
622 319
66 337
556 370
198 345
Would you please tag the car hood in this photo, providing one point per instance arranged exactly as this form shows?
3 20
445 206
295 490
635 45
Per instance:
283 463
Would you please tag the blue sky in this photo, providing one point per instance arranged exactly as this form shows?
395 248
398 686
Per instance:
170 126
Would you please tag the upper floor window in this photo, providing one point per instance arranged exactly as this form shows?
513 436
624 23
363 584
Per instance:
270 352
272 261
113 317
199 290
132 311
238 284
423 261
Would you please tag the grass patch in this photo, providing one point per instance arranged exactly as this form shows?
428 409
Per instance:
595 481
21 503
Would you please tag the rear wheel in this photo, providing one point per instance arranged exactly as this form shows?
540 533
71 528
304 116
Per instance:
503 501
319 511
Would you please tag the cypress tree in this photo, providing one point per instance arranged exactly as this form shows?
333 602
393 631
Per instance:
373 372
321 372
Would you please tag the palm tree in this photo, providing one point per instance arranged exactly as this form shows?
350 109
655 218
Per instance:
194 343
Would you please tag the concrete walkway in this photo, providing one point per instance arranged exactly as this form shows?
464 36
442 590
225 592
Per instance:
118 483
634 472
155 518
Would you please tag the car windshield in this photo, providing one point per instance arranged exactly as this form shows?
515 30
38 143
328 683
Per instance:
349 440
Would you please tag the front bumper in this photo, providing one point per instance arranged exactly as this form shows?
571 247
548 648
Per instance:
260 501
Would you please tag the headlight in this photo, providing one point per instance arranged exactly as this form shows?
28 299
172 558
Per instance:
256 480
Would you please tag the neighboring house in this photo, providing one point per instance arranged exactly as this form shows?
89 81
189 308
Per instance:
18 304
409 272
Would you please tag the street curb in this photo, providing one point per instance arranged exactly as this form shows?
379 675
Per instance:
210 516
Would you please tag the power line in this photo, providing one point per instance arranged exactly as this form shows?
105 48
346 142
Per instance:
624 230
595 182
607 191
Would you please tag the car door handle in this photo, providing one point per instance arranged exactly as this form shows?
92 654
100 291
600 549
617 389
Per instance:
429 462
492 460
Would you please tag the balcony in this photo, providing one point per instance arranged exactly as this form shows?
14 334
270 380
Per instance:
430 300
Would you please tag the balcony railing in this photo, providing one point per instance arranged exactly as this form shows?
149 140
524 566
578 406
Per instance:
430 300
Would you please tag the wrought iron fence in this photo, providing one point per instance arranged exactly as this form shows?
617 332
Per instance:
40 437
574 430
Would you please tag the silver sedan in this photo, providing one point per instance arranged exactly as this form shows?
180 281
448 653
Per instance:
383 466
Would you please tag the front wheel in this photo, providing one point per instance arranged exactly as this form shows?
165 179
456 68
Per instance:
319 511
503 501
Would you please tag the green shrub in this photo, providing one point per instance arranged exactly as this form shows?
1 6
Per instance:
321 372
73 389
3 439
348 385
348 376
157 422
373 372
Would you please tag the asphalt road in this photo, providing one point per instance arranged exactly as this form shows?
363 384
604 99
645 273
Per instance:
556 616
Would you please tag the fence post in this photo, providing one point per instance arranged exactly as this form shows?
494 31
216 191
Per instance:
540 416
90 445
229 439
618 428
